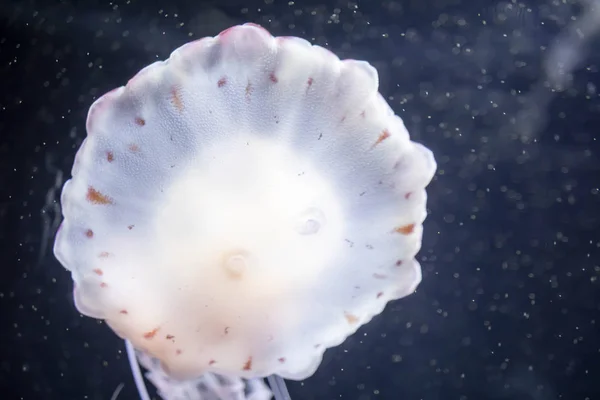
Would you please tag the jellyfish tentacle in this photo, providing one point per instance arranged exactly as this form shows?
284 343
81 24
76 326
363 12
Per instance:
278 387
137 373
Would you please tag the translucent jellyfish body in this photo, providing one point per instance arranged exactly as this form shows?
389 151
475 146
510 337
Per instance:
243 206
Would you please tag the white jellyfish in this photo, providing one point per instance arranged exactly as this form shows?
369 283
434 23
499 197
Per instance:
241 207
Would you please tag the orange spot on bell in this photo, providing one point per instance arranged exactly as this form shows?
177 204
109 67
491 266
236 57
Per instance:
211 362
398 263
352 319
140 121
309 83
95 197
222 82
406 229
248 364
134 147
176 99
151 334
248 90
169 337
281 359
110 157
103 284
89 233
379 294
123 312
98 271
130 227
384 135
273 78
178 351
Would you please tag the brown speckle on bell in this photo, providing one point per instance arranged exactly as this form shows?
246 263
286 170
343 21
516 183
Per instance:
95 197
176 99
151 334
405 229
352 319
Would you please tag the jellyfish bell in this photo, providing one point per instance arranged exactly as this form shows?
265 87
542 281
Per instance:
241 207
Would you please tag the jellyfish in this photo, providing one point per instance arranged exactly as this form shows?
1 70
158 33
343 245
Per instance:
238 209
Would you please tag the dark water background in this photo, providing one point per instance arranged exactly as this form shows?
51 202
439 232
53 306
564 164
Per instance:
506 97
